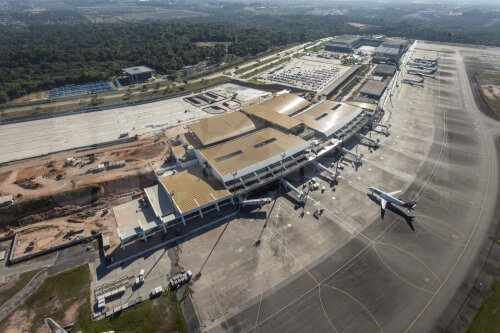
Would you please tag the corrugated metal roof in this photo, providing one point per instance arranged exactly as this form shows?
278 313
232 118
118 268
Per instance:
286 104
275 118
213 130
373 88
329 116
249 150
179 152
385 69
388 51
190 189
332 87
367 106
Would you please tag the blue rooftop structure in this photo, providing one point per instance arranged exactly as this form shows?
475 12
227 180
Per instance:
81 89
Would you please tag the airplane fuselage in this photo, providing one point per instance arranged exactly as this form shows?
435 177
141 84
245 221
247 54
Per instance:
386 197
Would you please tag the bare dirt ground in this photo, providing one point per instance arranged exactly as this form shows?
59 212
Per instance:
19 323
51 176
6 282
50 233
491 91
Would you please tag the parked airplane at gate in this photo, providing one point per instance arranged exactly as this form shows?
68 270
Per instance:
422 65
431 60
391 199
414 82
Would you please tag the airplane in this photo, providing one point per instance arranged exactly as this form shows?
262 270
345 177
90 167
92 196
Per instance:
422 65
389 198
414 82
420 72
423 70
427 60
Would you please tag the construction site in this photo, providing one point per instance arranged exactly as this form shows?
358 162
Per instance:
170 174
131 172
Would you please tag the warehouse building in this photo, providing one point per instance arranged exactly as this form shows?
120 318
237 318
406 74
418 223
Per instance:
228 156
344 43
385 70
138 74
390 51
373 89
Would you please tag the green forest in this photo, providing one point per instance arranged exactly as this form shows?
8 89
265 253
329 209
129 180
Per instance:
39 56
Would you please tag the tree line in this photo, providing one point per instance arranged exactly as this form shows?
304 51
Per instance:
42 56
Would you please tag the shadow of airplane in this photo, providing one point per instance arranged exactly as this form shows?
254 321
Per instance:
395 210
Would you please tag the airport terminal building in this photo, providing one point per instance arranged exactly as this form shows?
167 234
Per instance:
224 158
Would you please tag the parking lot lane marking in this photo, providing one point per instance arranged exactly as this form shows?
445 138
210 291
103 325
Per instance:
220 309
324 311
357 301
412 255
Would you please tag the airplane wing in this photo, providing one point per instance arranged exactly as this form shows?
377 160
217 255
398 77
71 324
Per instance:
383 203
394 193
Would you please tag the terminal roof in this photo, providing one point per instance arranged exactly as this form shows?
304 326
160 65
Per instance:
283 121
286 104
191 189
329 116
216 129
366 106
249 150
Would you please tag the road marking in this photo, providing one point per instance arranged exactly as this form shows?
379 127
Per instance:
470 236
361 304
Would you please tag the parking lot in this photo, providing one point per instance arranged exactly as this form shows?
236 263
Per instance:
310 74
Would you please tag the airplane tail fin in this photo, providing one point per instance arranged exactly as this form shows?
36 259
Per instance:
410 205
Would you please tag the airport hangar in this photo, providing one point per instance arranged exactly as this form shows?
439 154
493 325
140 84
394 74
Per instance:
224 158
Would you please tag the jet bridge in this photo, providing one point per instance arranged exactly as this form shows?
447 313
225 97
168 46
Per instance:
335 173
385 128
256 202
301 195
357 157
373 142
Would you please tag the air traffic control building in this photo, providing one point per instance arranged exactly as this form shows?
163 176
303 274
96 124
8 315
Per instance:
223 158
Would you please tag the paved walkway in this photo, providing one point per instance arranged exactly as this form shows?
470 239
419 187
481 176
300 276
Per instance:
9 306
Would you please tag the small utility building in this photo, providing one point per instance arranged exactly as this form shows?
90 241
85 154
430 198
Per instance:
138 74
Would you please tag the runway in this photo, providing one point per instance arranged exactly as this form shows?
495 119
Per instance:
396 274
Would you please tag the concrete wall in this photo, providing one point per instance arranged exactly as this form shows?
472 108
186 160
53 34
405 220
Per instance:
11 261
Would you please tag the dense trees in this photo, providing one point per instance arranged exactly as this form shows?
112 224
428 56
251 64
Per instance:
40 56
43 56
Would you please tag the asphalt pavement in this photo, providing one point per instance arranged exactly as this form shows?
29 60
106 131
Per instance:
400 274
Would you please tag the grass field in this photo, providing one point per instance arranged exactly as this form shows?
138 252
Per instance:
65 297
487 319
19 282
249 68
50 109
265 68
488 77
